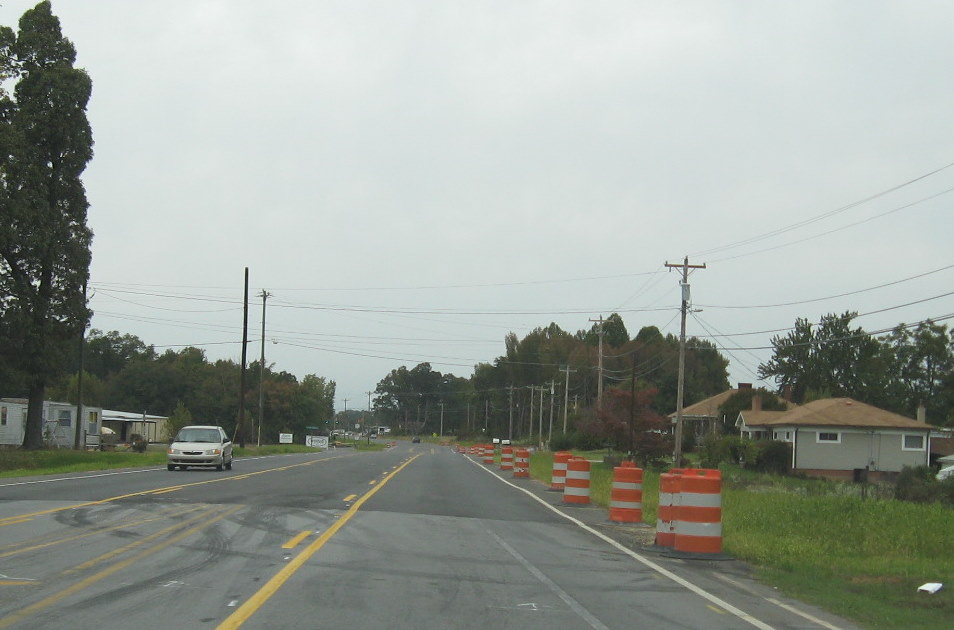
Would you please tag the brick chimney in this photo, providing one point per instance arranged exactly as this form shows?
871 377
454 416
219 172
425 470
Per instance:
787 393
922 413
757 402
745 386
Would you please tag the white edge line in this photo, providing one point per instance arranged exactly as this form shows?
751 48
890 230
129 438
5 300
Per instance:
741 614
796 611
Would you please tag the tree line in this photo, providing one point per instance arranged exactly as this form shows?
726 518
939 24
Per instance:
121 372
521 390
909 366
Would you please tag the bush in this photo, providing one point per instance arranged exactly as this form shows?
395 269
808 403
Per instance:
731 449
918 485
774 457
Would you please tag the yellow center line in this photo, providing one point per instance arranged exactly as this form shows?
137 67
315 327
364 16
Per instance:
142 541
11 519
350 497
18 583
256 601
105 573
165 490
372 482
291 544
102 530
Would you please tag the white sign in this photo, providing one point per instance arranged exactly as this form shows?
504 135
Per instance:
285 438
316 441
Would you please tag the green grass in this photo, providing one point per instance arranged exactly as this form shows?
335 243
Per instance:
824 543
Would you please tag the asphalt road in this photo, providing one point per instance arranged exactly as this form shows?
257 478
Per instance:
416 536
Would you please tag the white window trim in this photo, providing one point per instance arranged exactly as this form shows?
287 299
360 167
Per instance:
920 449
818 439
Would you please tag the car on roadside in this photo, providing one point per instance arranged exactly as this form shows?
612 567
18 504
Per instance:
200 445
415 440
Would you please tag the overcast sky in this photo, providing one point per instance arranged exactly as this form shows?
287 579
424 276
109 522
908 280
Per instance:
414 180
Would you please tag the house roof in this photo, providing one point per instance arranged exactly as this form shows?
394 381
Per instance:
128 416
834 412
708 408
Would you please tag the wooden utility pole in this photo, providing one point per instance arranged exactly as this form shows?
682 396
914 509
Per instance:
599 381
78 442
261 370
566 395
240 427
510 398
684 283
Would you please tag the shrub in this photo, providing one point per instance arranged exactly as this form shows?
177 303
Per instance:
774 457
918 484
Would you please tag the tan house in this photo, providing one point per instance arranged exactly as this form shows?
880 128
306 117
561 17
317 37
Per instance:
704 417
843 438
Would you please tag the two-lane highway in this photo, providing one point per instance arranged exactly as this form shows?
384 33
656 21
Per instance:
414 536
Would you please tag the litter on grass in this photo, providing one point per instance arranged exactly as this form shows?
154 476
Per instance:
930 587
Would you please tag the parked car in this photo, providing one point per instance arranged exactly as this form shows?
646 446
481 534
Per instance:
415 440
200 445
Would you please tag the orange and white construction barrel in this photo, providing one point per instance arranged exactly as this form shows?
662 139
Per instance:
506 458
521 463
558 477
626 494
488 455
576 490
666 512
698 515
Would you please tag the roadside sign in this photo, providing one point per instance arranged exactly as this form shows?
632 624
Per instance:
285 438
316 441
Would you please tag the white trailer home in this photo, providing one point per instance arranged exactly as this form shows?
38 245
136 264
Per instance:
59 423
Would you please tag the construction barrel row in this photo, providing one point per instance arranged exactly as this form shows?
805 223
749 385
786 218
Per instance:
689 516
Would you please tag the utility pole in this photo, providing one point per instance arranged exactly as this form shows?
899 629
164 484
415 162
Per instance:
510 397
599 382
79 384
566 395
240 427
530 418
540 419
684 283
550 431
261 370
442 418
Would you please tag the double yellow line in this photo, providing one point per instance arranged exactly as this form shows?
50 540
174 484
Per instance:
203 522
256 601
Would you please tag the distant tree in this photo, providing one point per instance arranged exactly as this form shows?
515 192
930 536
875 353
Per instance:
180 417
921 363
45 145
629 423
832 357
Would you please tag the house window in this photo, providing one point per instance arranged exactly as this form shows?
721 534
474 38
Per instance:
91 425
829 438
64 418
3 416
912 443
785 436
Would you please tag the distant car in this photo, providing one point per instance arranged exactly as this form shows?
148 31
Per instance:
415 440
200 445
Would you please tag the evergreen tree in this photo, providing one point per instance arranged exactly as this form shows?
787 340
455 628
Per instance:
45 145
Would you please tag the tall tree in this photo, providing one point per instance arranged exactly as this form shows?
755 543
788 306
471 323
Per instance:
45 145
